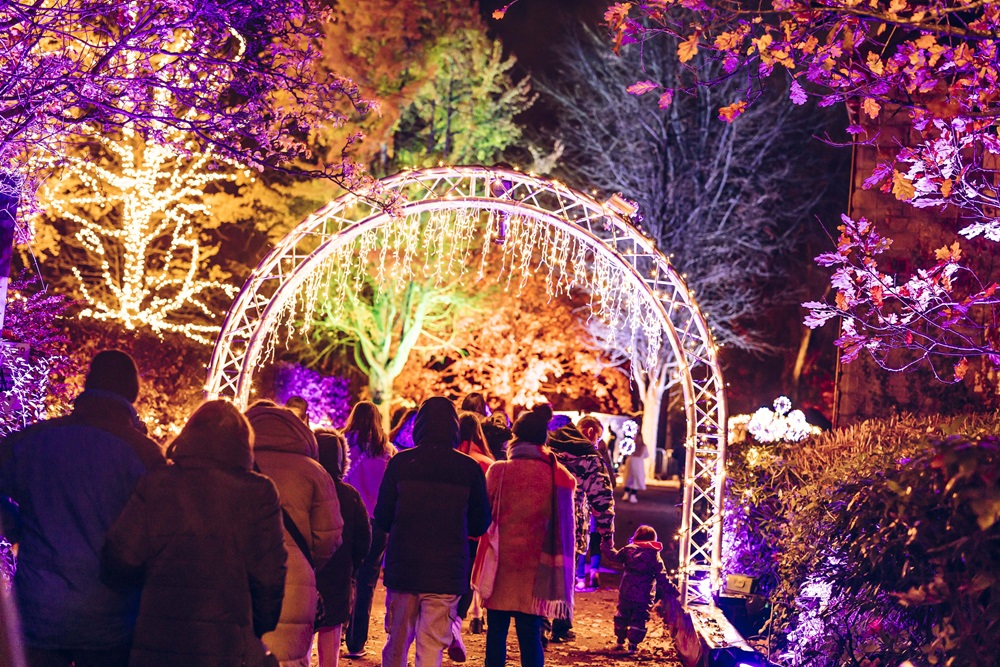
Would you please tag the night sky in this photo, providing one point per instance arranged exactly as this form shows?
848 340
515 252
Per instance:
532 28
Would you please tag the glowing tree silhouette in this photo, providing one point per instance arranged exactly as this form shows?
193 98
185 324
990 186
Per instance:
135 217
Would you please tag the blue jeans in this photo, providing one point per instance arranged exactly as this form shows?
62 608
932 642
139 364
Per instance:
529 638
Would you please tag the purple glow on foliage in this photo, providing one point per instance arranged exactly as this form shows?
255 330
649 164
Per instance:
404 439
329 397
33 354
559 421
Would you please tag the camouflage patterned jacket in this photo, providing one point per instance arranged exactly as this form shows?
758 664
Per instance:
594 493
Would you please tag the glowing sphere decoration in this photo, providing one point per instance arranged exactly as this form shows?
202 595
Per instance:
627 445
780 425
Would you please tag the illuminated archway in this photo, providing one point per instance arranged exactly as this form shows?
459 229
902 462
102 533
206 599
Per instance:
607 235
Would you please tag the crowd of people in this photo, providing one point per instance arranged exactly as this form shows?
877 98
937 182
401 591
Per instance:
250 537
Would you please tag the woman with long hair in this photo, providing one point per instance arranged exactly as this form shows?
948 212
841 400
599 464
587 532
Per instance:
204 535
474 440
369 452
402 433
495 424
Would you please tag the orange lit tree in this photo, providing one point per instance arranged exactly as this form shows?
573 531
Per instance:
524 347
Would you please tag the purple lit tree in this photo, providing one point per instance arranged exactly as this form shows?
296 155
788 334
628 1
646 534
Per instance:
932 64
243 79
33 356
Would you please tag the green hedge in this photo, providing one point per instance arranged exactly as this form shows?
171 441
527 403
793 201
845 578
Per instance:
876 542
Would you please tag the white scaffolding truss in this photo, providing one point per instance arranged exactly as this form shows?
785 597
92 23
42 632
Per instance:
280 275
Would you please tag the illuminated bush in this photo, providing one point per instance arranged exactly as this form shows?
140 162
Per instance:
877 542
328 396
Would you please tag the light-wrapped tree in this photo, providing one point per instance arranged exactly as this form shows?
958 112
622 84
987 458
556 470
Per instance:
133 221
242 79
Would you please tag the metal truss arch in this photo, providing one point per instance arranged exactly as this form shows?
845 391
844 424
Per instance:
601 227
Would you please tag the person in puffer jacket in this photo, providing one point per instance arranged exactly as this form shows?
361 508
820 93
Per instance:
643 568
431 501
69 478
204 538
286 451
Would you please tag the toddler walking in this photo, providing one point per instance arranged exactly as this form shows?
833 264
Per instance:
643 568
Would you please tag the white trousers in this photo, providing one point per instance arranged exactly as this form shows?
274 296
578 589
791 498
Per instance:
424 617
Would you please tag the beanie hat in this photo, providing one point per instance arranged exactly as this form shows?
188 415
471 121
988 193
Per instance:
533 426
114 371
436 423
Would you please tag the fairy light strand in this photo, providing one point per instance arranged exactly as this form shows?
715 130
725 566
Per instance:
158 194
432 246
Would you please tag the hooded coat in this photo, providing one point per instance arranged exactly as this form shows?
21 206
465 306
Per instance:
286 451
205 535
643 567
70 478
594 492
432 500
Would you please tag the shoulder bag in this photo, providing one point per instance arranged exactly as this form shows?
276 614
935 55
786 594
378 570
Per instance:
303 546
484 569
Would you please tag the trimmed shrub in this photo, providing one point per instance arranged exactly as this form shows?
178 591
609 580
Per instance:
874 543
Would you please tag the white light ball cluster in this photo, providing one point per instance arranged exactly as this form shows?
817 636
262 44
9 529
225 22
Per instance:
627 445
781 424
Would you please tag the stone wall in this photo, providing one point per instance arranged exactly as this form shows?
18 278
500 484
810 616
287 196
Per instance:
863 389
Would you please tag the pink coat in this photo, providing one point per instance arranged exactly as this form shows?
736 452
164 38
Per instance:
520 491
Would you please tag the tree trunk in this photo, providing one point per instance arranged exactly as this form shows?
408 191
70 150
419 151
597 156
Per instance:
447 125
651 401
800 362
380 388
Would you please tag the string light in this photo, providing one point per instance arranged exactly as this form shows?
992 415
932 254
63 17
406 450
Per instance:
608 260
149 252
431 247
26 383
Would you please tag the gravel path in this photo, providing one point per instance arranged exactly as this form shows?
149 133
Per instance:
594 644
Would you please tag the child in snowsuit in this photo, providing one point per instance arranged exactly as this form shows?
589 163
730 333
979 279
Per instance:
643 568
